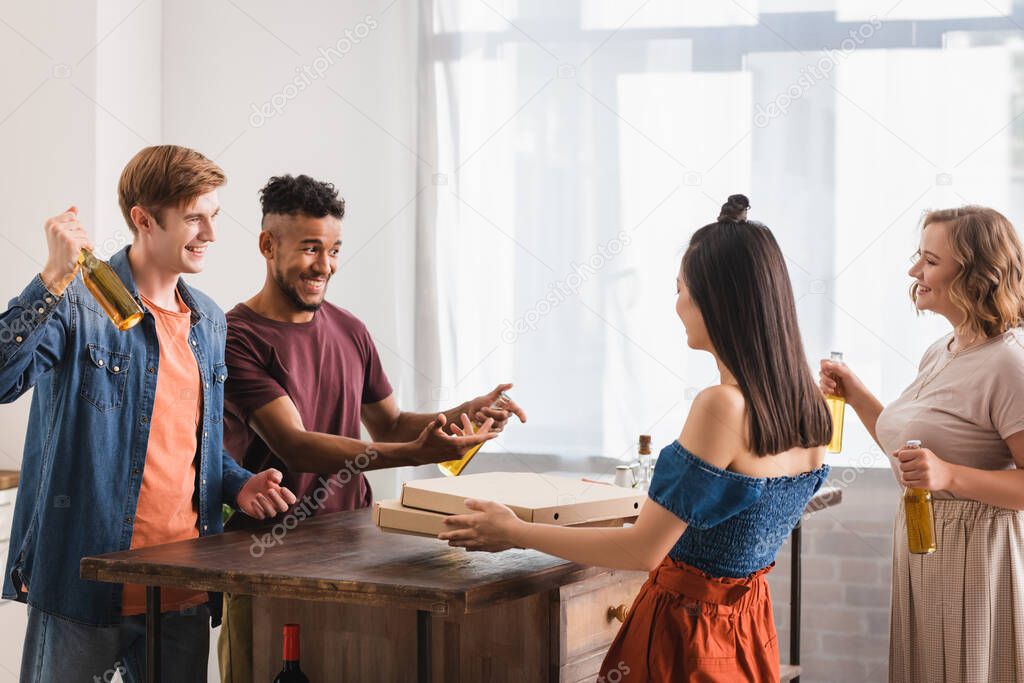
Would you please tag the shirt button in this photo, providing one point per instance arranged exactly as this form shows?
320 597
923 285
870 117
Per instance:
49 299
117 368
100 362
145 419
151 369
18 339
40 310
204 527
127 520
205 434
193 342
135 470
206 384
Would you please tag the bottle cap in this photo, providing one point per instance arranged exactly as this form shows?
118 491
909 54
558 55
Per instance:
291 642
913 443
645 443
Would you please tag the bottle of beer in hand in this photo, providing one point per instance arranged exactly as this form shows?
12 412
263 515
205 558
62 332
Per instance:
291 673
111 294
104 284
917 507
837 409
453 468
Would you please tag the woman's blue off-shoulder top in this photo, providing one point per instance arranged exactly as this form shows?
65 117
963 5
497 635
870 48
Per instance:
736 523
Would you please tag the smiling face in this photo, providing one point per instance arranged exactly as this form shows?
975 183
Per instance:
934 271
302 255
175 238
693 321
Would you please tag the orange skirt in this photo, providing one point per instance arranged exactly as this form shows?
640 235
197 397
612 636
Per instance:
687 627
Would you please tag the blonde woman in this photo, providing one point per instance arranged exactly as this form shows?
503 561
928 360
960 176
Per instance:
958 614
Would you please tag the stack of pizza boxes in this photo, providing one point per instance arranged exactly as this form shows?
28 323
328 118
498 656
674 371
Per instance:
542 498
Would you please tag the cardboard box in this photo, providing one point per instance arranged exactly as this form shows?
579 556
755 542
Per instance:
543 498
392 516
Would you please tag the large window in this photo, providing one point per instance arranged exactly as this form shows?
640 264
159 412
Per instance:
579 144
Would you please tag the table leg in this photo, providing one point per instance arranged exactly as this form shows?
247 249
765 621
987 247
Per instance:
152 634
424 667
794 597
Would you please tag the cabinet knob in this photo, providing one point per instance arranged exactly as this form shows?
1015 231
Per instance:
619 612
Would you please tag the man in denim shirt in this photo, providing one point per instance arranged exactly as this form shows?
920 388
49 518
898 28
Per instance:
124 443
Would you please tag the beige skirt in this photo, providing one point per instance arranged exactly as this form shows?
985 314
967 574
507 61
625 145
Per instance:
958 614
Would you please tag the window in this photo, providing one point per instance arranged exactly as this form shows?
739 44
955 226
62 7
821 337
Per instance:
580 144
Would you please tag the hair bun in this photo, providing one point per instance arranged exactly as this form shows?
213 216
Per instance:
735 208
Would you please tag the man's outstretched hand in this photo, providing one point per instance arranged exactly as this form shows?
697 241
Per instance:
493 405
435 445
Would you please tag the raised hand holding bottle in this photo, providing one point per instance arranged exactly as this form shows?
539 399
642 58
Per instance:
69 251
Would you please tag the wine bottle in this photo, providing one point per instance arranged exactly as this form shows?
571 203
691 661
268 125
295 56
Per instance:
643 457
120 306
917 507
290 672
453 468
837 409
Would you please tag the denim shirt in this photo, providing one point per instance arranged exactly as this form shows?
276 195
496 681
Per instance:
87 437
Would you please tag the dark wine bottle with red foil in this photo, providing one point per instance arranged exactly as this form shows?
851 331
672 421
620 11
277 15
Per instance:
291 673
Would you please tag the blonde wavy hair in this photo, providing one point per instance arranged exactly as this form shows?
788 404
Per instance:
989 289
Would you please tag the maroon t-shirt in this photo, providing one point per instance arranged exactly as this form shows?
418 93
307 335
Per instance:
329 367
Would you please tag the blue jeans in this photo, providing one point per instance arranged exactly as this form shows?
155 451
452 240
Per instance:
57 649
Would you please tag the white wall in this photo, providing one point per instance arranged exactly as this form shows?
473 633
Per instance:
220 61
47 134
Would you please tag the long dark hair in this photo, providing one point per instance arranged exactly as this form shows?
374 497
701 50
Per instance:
737 277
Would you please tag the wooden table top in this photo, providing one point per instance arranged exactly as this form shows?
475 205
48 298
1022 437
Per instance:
9 479
344 557
341 557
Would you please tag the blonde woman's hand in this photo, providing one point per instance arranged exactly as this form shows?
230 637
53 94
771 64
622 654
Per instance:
837 379
920 468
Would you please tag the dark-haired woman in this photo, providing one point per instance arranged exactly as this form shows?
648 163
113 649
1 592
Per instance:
725 495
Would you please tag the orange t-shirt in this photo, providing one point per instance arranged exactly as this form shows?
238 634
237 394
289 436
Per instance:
166 510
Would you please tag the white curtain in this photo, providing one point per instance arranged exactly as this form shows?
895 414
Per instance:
573 147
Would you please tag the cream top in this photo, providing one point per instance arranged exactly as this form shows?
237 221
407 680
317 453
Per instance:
962 406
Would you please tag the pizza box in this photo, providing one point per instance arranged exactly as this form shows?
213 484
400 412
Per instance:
392 516
542 498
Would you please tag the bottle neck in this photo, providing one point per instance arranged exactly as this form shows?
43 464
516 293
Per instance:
291 665
291 644
87 259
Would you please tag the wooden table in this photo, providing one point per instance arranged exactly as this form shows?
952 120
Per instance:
337 568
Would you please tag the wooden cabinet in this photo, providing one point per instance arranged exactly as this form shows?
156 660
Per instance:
556 635
585 618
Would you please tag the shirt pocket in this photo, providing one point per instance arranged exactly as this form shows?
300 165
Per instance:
104 377
218 376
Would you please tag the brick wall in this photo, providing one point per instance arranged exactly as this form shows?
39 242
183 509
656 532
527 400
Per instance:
847 561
